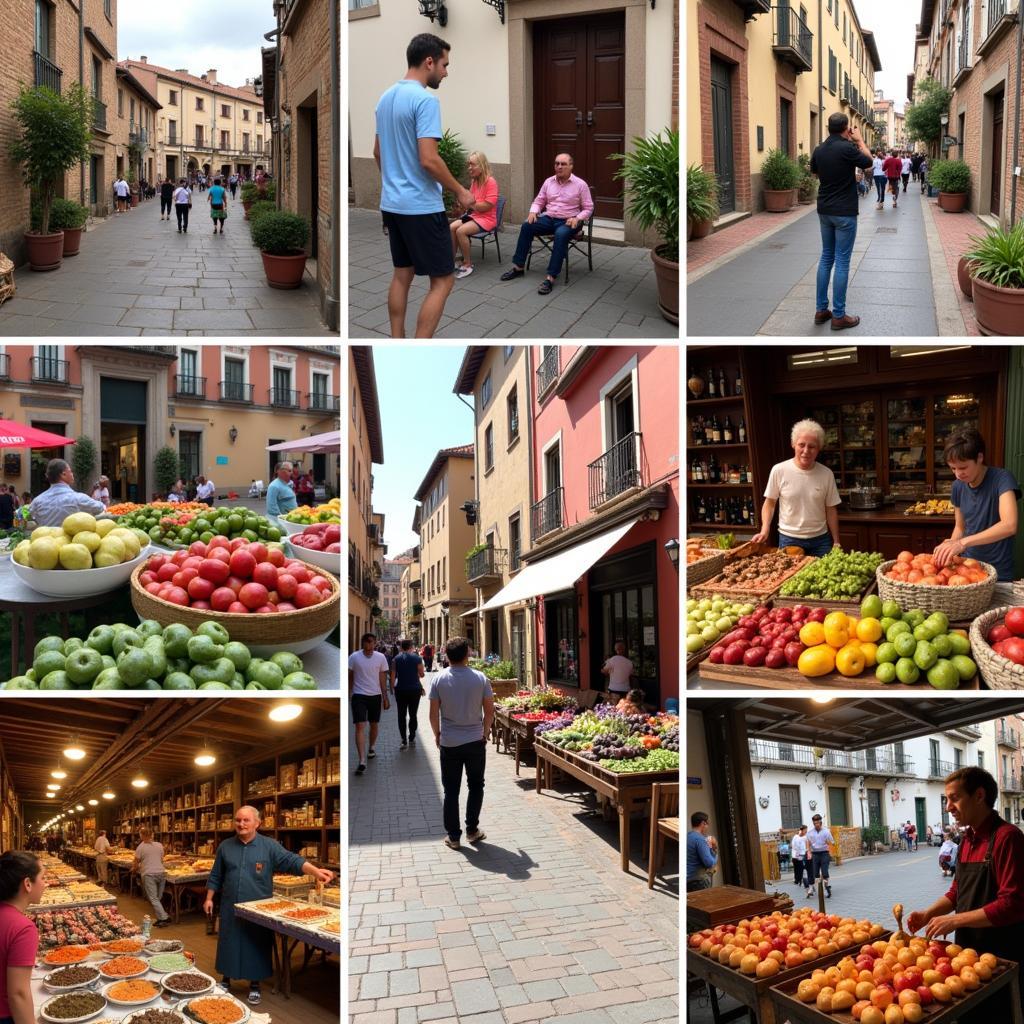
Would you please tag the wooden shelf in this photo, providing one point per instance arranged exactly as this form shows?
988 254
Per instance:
730 487
712 403
694 448
696 527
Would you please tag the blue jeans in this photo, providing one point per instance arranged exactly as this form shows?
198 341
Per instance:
153 890
880 185
818 546
545 225
837 237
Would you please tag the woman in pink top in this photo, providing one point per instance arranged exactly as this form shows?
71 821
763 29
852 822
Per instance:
481 216
22 882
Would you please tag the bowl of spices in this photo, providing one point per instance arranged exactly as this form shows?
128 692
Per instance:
187 983
69 978
124 967
154 1015
166 963
132 992
72 1007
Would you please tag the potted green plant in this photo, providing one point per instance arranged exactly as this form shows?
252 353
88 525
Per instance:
651 175
701 202
281 238
780 176
258 209
807 187
456 158
250 193
68 216
997 272
953 180
54 134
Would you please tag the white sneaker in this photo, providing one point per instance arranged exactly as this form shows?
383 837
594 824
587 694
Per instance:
463 271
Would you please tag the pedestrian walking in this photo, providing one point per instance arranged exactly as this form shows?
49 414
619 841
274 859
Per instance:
218 200
427 653
413 177
149 863
922 171
461 713
701 853
367 689
911 837
406 673
906 168
820 840
166 198
182 204
915 165
893 168
947 856
878 176
834 163
801 851
233 184
122 191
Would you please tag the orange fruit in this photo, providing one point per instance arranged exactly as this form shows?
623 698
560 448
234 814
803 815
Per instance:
817 661
870 652
812 634
869 629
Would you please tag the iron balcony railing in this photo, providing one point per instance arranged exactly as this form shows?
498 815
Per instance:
793 39
997 9
547 372
861 762
186 386
47 73
485 564
172 138
99 114
417 609
370 589
1010 783
55 371
138 135
5 366
546 514
614 472
283 398
235 391
321 402
1007 737
963 54
940 769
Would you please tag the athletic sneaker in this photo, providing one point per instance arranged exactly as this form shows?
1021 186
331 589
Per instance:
254 996
373 753
361 769
463 271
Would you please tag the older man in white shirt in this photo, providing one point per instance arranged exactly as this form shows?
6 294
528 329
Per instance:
61 500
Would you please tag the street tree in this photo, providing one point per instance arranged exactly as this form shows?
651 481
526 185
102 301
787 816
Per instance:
923 120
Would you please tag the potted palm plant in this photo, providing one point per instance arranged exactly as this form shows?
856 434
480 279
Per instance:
701 202
953 180
281 238
69 217
997 272
807 187
780 176
651 175
53 136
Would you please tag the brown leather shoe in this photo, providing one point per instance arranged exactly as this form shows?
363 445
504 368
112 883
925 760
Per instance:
843 322
822 316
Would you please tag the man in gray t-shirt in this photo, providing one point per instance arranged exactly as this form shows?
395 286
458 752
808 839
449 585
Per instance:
149 862
461 711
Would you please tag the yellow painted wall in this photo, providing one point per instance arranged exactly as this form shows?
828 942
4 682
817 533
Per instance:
694 128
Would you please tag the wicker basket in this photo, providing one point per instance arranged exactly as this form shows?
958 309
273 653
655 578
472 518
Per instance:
288 628
998 672
959 603
7 285
704 568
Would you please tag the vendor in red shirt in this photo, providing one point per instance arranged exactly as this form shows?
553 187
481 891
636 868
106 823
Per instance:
892 168
985 903
22 882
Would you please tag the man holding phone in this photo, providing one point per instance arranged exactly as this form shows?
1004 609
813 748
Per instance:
835 164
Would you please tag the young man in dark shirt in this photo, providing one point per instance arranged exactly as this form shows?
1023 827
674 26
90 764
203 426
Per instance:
835 162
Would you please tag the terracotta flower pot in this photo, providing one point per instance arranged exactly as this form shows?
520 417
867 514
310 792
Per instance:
44 251
284 271
953 202
1000 311
963 276
72 241
778 202
666 274
701 228
246 203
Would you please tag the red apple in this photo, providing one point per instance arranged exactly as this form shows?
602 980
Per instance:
997 633
752 656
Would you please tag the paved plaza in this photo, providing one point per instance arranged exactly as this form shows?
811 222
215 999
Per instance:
536 923
136 275
618 299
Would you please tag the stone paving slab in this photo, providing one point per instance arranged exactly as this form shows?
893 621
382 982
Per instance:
481 305
536 923
137 275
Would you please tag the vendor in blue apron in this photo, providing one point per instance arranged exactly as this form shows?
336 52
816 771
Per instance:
244 870
985 904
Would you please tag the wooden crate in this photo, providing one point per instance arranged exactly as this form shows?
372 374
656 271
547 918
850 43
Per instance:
791 679
726 904
714 586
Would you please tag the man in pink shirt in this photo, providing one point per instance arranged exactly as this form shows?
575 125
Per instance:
562 206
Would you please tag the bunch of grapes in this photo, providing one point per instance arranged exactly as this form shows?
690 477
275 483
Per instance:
611 745
670 739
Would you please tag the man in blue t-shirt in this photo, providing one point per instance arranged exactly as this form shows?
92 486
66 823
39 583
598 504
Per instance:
985 499
701 853
406 673
412 178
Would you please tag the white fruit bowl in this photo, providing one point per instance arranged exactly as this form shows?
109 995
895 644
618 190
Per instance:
290 527
78 582
331 561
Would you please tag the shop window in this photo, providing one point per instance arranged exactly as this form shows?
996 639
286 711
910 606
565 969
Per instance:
512 404
561 634
188 453
514 542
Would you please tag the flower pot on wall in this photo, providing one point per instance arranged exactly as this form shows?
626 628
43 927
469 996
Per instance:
778 202
953 202
44 251
1000 311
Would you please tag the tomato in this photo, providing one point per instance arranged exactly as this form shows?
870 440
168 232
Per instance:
1014 621
167 572
242 563
152 588
287 584
307 595
238 608
201 604
197 547
184 577
219 542
214 569
266 609
147 577
177 596
276 557
239 542
192 562
266 574
200 589
253 595
258 551
221 553
221 599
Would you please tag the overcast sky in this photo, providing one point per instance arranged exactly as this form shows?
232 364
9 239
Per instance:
226 35
893 23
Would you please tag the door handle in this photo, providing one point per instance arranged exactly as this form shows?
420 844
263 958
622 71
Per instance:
579 119
590 119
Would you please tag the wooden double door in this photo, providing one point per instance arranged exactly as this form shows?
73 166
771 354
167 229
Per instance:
580 102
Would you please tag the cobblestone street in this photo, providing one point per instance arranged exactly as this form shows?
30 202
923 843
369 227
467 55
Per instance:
536 923
136 275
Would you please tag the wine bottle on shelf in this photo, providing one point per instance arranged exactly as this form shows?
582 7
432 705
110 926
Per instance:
698 430
708 431
738 386
720 514
695 471
712 386
727 434
716 431
713 470
742 431
723 385
747 516
702 512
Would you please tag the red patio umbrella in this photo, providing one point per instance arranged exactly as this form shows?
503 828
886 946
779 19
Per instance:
19 435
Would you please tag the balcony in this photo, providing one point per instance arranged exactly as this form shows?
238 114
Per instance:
47 73
1007 737
752 8
49 371
235 391
546 514
189 387
283 398
844 92
1001 15
369 590
792 42
319 401
415 584
1010 784
880 762
99 114
963 59
547 372
372 531
172 139
940 769
486 564
137 135
417 609
5 366
614 472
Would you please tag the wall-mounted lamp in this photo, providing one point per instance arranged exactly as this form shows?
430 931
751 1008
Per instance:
764 801
672 550
233 434
173 431
434 9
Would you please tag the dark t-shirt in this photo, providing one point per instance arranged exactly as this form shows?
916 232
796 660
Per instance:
407 676
167 190
835 162
6 511
980 508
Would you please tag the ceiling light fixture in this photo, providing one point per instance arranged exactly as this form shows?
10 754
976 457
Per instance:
205 757
93 803
73 751
51 795
108 795
58 772
54 786
140 782
285 712
79 807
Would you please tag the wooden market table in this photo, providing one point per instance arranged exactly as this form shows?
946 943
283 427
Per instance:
726 904
629 791
287 934
177 884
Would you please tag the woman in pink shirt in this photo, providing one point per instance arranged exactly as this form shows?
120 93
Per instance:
22 882
481 216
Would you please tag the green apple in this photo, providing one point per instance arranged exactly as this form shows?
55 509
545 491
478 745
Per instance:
56 681
906 671
214 630
83 666
943 645
891 609
905 645
871 607
964 666
48 643
887 654
101 639
176 638
48 661
135 665
943 675
125 639
202 649
895 630
286 661
886 672
179 681
960 643
265 672
149 627
925 656
299 681
109 679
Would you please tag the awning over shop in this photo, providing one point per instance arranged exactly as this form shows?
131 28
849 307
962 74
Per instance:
328 442
559 572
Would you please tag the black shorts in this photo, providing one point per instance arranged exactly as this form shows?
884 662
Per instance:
421 241
467 217
365 708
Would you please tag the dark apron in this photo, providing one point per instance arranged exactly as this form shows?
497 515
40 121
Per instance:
976 885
